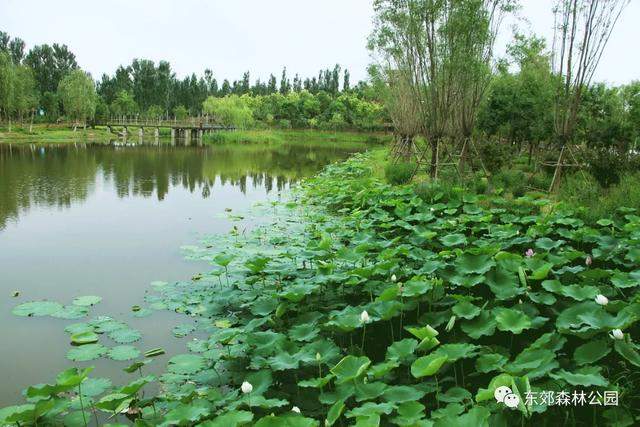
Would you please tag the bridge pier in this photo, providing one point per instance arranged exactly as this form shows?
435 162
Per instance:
156 134
187 136
140 134
173 136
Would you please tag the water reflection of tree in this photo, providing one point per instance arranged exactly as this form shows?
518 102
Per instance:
60 175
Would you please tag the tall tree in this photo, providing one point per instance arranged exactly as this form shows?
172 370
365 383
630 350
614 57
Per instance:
443 50
50 64
583 28
285 85
78 94
7 78
16 47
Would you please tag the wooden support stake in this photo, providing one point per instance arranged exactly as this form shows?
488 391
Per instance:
555 182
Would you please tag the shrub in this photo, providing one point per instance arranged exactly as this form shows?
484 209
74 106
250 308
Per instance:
584 191
399 173
494 155
607 165
514 181
440 191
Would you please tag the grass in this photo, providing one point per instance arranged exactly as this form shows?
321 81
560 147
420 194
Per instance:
44 133
279 136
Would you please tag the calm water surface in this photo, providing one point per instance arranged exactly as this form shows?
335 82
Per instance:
108 220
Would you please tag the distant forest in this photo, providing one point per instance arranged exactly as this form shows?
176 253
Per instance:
147 88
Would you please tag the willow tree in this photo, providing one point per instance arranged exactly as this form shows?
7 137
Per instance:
443 48
394 88
582 31
78 94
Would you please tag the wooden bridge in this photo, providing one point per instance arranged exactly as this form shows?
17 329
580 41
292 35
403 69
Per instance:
189 128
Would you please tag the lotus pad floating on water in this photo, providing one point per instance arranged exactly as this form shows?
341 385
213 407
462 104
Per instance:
183 330
77 328
86 352
86 337
125 335
123 352
71 312
86 301
37 308
186 364
94 386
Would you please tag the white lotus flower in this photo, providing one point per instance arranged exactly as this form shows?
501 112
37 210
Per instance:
393 278
246 387
617 334
364 317
295 409
601 299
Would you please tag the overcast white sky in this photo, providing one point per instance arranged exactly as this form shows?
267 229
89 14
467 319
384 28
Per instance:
232 36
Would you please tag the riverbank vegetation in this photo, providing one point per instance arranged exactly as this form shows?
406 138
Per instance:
383 304
492 248
280 136
46 85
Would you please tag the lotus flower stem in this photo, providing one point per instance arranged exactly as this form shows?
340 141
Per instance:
84 417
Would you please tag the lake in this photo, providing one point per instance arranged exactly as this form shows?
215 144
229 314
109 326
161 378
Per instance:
107 220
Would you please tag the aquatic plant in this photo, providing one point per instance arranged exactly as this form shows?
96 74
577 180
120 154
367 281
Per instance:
488 293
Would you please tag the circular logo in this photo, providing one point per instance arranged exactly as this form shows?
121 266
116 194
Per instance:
501 392
511 400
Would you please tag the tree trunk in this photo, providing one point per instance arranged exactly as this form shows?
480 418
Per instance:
557 175
463 157
434 159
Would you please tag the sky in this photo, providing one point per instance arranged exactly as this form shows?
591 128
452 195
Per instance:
233 36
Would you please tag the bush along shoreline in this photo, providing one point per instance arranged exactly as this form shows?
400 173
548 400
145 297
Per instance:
366 304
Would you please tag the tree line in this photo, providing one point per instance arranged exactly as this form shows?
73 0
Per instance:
46 83
437 73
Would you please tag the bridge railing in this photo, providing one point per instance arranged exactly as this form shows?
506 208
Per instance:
193 122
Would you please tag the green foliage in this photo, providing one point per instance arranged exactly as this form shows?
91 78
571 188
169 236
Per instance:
78 95
455 308
607 165
180 112
593 202
399 173
124 104
495 155
231 110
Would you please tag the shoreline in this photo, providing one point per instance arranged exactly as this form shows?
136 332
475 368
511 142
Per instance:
46 134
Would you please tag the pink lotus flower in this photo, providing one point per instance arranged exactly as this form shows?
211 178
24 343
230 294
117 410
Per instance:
529 253
588 261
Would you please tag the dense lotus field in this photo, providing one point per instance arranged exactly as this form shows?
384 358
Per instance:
364 304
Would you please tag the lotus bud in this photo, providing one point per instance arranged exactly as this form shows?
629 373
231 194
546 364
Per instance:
602 300
295 409
246 387
529 253
318 357
364 317
393 278
451 323
588 261
617 334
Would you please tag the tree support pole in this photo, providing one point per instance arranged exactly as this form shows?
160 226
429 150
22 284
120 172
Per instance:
557 175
